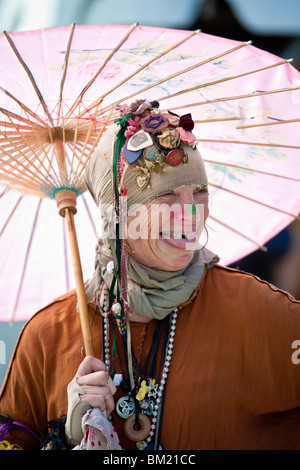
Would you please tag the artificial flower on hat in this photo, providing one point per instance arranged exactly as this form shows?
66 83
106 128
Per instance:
186 125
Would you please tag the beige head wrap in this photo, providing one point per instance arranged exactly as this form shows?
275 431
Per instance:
98 175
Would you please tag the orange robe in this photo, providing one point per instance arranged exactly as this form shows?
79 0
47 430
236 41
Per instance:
232 383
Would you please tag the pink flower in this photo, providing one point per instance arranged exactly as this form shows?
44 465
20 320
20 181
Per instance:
133 126
186 136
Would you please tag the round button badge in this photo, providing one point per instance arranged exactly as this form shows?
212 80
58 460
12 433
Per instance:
152 153
174 157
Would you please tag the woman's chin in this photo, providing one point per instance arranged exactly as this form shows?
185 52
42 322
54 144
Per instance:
174 255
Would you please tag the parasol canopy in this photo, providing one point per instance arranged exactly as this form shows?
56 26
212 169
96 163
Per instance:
59 89
36 263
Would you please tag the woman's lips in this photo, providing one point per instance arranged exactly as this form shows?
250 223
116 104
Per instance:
178 240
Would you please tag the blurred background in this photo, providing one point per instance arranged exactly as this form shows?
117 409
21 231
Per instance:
272 25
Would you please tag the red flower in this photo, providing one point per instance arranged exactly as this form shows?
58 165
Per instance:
186 122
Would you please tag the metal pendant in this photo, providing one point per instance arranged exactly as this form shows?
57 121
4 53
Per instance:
147 407
125 406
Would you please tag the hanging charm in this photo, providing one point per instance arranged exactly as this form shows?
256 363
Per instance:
137 432
144 398
125 407
147 407
118 313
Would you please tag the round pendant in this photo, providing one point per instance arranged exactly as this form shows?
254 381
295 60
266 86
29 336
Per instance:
125 407
149 409
131 431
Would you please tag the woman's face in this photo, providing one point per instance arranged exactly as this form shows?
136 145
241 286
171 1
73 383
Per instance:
164 233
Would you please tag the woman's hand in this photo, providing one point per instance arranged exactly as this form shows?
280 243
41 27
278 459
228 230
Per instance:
91 388
97 385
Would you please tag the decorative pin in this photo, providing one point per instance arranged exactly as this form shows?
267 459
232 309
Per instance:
152 153
174 157
142 181
143 177
154 122
131 156
173 119
139 141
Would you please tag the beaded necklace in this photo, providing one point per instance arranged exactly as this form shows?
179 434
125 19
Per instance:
146 397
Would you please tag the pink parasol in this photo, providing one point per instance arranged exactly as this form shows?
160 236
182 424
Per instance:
59 90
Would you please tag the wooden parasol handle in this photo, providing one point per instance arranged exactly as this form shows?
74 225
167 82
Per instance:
82 303
67 209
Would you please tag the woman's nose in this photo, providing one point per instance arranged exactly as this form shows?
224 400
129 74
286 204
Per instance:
188 208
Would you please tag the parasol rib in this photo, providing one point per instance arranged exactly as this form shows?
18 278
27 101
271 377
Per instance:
30 76
11 163
261 247
237 97
16 127
154 59
10 215
75 141
33 131
20 118
207 121
21 183
66 63
87 139
98 137
273 123
91 127
254 200
240 142
4 191
224 79
30 149
79 98
176 74
90 216
250 169
25 263
22 106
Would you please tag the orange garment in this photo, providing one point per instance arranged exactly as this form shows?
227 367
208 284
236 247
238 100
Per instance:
232 383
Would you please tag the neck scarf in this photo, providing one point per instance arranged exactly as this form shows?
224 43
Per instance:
151 292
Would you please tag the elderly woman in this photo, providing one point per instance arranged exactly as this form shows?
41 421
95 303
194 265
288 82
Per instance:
188 354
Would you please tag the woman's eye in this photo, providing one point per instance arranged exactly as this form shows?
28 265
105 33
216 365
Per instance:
164 195
200 193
